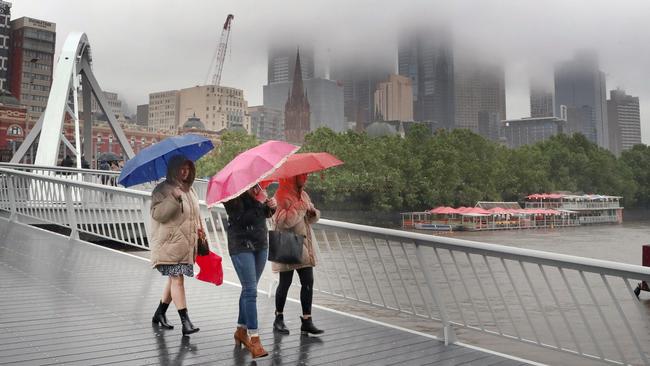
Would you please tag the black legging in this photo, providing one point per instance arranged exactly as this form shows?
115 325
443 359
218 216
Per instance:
306 276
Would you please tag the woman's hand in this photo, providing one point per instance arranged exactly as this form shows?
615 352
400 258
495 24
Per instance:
258 193
272 203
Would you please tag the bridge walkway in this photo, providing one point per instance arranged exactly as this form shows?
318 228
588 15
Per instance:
75 303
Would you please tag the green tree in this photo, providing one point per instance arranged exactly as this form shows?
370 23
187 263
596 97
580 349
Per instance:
526 171
637 160
456 167
232 143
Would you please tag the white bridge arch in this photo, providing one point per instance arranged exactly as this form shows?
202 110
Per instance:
73 70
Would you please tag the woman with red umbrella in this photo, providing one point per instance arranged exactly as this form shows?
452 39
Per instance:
296 213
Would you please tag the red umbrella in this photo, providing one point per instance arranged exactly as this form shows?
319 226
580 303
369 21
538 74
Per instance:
481 211
443 210
211 269
304 163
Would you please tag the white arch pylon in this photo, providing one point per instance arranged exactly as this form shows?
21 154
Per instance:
73 69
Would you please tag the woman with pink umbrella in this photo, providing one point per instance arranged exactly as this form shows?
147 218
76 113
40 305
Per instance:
248 207
248 248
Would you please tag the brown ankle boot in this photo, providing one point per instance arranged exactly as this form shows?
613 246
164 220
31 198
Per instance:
241 336
256 348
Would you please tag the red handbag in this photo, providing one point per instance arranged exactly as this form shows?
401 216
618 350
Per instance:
211 269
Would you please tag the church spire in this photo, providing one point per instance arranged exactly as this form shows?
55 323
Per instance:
296 109
297 89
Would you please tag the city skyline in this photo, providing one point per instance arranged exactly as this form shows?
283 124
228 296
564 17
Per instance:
140 47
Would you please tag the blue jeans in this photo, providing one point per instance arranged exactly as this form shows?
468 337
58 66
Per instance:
249 267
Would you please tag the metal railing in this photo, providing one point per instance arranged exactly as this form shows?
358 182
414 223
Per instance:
576 305
81 202
598 219
570 304
103 177
574 205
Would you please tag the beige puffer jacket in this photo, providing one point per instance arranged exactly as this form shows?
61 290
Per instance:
174 225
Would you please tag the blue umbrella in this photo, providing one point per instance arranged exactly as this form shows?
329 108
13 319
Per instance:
151 163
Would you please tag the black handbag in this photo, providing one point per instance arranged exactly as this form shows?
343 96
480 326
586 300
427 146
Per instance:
285 247
202 245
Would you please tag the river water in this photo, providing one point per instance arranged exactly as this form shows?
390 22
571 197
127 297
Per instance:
616 242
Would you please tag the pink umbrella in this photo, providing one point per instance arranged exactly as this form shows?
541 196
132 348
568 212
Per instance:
443 210
463 209
247 169
481 211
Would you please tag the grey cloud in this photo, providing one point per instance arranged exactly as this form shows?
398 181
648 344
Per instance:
151 45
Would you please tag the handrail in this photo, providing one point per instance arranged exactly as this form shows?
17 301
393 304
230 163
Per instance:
531 255
74 183
56 168
119 214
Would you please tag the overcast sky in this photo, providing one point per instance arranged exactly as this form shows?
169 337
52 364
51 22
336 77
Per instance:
143 46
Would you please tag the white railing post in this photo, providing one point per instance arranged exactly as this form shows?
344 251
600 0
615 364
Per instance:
448 333
146 218
72 218
214 230
11 186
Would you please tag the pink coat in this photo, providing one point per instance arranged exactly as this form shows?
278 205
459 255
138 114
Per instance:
291 215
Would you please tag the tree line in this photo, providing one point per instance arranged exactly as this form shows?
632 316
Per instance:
457 168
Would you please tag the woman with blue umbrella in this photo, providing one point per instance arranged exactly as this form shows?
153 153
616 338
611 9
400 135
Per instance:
176 221
175 227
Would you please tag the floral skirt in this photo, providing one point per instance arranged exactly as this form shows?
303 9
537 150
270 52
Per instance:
176 269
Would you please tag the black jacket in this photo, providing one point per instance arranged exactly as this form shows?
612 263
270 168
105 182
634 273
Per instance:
247 229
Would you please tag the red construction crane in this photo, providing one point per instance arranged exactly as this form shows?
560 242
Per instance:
217 62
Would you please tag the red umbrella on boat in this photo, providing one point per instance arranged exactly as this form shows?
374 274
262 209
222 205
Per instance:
443 210
304 163
480 211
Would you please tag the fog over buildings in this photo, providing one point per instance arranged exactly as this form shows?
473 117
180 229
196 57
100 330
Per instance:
146 46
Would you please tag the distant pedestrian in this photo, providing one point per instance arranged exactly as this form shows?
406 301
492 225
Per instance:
296 213
104 165
176 221
248 248
115 167
84 163
67 162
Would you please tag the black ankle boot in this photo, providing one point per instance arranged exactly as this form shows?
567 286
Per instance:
278 324
308 327
188 327
159 316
